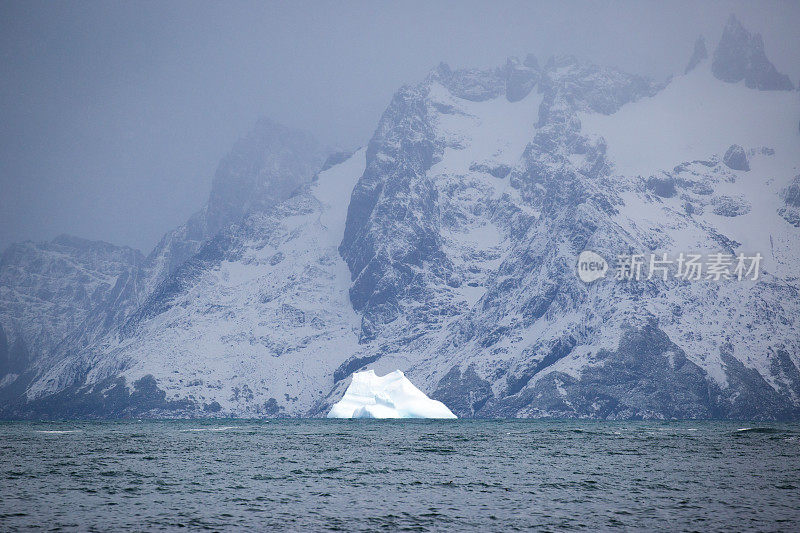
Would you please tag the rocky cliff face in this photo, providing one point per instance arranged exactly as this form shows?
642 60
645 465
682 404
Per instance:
478 298
63 297
741 56
447 248
50 289
264 168
699 54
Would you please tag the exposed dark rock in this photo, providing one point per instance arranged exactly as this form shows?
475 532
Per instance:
556 352
67 284
334 159
465 393
109 398
790 215
538 304
277 258
353 364
699 54
740 56
470 84
213 407
520 79
394 202
728 206
662 186
749 396
499 171
646 377
791 194
736 158
785 370
271 407
579 85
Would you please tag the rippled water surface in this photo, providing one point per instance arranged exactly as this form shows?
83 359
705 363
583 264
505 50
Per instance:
389 475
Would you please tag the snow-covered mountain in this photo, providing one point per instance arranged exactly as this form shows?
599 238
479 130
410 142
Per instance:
50 289
61 299
447 248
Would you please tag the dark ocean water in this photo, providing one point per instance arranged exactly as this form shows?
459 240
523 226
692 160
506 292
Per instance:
399 475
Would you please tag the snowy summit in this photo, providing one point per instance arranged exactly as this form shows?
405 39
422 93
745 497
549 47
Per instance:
389 396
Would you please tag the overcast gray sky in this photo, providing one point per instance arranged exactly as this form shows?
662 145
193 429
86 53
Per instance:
113 116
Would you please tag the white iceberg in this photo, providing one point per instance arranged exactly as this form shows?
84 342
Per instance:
389 396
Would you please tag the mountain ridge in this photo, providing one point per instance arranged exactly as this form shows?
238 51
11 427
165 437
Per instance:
447 247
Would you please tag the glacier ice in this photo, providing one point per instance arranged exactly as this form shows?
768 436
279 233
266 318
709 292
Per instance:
389 396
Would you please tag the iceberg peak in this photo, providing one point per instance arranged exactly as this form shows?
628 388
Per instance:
389 396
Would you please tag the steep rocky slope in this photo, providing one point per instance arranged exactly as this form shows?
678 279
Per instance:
50 289
60 298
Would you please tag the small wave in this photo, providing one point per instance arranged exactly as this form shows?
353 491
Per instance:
57 431
756 430
222 428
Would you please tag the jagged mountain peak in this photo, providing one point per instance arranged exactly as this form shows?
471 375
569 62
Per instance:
263 167
740 56
470 84
699 54
335 158
515 79
605 87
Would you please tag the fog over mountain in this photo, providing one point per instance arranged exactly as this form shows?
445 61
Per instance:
114 116
452 246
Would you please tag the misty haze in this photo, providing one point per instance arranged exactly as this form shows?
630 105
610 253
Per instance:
542 258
